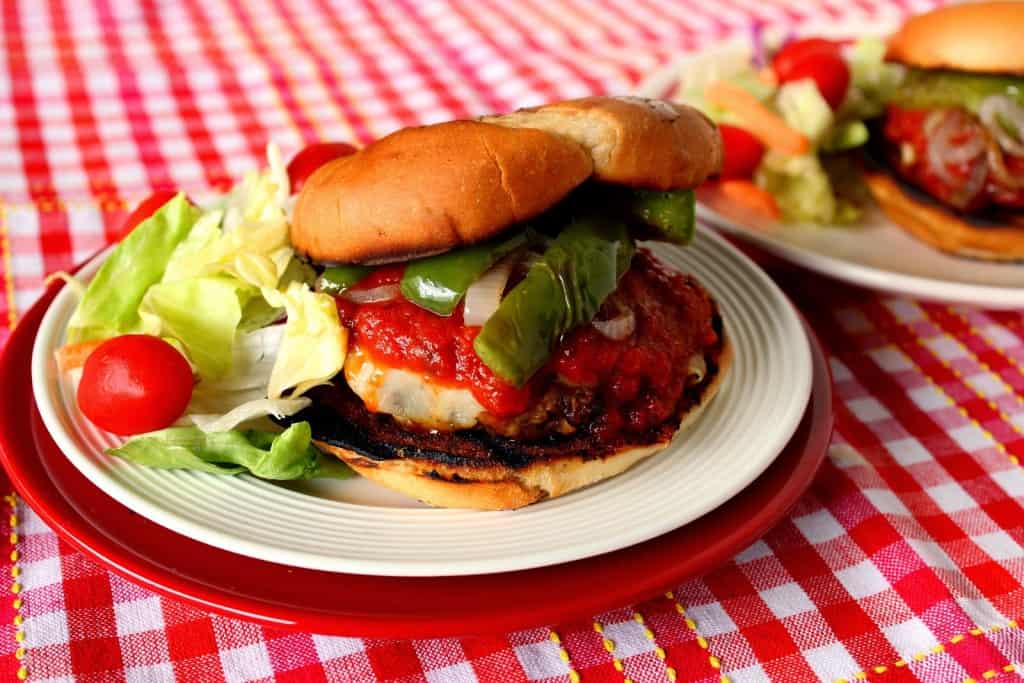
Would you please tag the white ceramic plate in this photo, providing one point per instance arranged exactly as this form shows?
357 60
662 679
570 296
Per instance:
356 526
872 253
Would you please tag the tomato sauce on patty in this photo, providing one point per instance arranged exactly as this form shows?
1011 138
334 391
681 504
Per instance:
636 382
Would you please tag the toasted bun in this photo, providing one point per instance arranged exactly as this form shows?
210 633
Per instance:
943 229
985 37
632 140
425 190
496 486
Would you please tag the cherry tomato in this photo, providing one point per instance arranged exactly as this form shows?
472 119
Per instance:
134 383
743 152
798 50
146 208
830 74
819 60
313 157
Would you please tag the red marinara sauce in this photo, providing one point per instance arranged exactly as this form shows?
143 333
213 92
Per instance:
639 379
907 127
401 334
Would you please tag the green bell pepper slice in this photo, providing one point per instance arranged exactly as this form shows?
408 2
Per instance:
336 279
563 289
438 283
670 215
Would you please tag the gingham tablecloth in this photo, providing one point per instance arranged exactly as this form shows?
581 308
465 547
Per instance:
904 561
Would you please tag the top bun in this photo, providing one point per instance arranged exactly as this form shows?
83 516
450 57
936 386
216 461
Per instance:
986 37
426 190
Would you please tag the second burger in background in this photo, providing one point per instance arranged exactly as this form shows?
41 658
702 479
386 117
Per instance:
954 131
508 341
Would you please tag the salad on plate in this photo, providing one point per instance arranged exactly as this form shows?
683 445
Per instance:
200 324
790 114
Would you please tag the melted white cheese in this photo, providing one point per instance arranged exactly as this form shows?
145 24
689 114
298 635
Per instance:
409 396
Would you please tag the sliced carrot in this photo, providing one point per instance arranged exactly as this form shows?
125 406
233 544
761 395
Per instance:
71 356
768 126
746 193
767 76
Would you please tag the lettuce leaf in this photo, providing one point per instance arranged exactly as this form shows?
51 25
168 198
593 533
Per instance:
802 189
111 301
804 109
313 345
202 314
285 456
873 81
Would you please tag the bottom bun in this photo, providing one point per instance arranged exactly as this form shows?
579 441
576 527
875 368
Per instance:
497 485
942 228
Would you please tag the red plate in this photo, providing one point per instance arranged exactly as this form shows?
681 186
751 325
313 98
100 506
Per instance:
349 604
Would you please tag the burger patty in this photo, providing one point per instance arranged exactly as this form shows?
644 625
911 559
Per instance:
339 418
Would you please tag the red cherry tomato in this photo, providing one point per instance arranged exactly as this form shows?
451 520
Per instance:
134 383
819 60
828 71
313 157
743 152
798 50
146 208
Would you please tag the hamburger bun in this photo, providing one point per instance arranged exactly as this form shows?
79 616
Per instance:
944 229
984 37
422 191
516 479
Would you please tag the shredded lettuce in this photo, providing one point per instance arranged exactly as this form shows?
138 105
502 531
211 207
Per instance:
802 189
111 301
202 314
313 345
803 108
286 456
873 81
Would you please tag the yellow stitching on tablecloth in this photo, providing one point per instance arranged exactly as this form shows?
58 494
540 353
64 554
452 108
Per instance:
659 651
5 253
992 673
984 366
19 619
609 645
563 654
949 399
714 661
935 649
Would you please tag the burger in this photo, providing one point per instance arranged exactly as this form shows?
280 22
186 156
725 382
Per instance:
508 339
953 135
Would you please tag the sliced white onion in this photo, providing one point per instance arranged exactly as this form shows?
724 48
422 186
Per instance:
373 295
696 369
975 185
997 164
996 107
619 327
484 295
942 152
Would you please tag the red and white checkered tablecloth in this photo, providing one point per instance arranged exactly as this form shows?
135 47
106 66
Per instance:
904 561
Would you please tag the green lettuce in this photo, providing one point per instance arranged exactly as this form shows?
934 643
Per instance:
802 189
110 305
873 81
280 457
202 314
